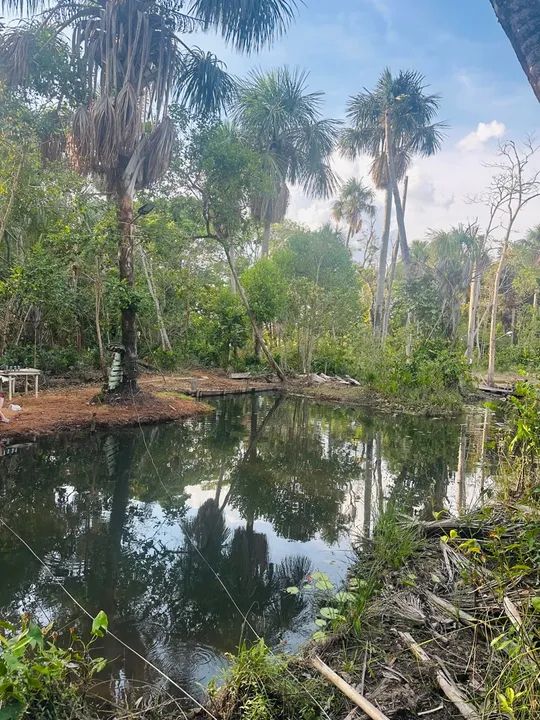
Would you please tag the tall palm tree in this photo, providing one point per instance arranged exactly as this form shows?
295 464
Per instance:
520 20
132 60
283 122
355 201
391 124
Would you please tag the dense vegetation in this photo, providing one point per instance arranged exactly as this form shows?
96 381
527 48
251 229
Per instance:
192 260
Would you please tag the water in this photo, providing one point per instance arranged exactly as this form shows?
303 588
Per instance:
262 492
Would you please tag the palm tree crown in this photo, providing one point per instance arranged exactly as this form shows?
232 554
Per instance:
410 111
354 202
282 120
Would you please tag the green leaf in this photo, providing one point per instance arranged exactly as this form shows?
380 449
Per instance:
320 636
329 613
345 597
324 583
292 590
535 602
100 624
13 711
319 622
35 635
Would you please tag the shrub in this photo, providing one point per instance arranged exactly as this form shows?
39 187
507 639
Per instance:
39 679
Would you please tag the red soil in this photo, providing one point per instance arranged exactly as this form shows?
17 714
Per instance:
68 408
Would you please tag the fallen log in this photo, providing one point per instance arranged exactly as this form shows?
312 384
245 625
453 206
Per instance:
363 703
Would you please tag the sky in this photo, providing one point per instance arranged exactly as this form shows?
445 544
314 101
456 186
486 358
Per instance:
465 57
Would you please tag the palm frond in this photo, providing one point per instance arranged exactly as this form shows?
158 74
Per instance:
281 118
18 47
158 151
203 83
246 24
401 98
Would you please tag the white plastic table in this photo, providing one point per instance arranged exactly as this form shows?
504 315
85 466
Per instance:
25 373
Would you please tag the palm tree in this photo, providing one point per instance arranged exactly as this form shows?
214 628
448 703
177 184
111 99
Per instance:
391 124
132 61
282 121
354 202
520 20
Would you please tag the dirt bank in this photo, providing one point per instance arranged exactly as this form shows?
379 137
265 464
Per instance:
164 398
70 409
442 404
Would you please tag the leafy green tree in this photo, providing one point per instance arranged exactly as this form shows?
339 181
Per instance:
282 121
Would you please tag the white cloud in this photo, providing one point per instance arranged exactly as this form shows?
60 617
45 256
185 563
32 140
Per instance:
483 133
440 192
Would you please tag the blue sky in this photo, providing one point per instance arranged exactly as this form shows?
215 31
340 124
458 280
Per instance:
465 57
457 44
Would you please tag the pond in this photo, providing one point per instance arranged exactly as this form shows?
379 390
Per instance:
178 531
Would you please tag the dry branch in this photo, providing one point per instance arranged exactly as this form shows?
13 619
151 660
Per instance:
362 702
448 686
450 609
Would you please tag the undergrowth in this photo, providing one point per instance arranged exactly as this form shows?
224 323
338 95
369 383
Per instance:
42 679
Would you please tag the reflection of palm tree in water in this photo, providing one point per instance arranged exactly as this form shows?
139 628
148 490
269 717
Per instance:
242 563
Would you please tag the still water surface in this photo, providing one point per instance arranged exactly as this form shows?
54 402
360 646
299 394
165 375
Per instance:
262 492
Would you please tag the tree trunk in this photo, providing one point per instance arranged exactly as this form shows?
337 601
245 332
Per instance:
400 216
520 20
494 307
474 299
273 364
97 320
381 275
125 268
265 245
147 267
392 272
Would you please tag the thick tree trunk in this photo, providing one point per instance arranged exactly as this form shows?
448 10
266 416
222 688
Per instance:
474 299
392 271
265 244
494 308
383 256
147 267
126 272
520 20
273 364
400 215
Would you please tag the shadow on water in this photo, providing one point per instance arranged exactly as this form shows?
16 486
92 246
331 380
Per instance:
139 522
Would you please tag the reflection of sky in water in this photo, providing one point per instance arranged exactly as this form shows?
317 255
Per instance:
344 463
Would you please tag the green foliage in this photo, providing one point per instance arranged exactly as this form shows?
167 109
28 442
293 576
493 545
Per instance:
261 686
265 287
522 437
221 327
394 542
39 678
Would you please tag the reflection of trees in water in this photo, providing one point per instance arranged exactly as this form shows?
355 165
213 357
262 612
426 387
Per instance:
99 513
297 477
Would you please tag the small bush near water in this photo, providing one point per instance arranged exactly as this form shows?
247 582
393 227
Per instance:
42 680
